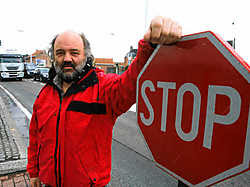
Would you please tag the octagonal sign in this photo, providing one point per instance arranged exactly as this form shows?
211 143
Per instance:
193 109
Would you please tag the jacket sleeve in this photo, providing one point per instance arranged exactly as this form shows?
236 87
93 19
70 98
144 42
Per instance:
120 90
32 166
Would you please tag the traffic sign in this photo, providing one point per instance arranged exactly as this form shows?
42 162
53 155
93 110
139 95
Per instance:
193 109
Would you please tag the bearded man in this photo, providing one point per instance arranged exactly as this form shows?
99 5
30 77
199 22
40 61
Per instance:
75 112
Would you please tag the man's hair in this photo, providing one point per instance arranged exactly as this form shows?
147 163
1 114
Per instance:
87 49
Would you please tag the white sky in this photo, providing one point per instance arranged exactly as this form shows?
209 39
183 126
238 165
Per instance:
112 26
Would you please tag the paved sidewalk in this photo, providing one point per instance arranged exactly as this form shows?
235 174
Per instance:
15 180
13 155
8 147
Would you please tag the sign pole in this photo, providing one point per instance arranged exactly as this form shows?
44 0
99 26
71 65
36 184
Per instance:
181 184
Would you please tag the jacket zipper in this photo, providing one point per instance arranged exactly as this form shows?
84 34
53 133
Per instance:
56 148
38 157
98 91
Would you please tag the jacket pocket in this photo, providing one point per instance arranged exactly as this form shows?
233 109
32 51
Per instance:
46 163
44 114
46 122
90 171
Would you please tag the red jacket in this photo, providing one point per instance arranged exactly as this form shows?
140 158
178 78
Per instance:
71 136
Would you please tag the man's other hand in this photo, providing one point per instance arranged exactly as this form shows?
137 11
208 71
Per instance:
163 31
35 182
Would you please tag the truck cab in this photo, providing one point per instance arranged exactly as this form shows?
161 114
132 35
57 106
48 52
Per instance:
11 66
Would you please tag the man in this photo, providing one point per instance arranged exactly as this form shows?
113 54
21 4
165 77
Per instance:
74 113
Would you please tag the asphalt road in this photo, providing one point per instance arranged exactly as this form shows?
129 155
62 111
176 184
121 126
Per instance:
131 163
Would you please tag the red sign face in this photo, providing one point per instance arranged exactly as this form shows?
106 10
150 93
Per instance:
193 109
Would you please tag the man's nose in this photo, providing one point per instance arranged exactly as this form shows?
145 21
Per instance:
68 57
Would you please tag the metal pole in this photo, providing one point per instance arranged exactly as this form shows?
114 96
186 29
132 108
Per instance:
146 13
181 184
233 25
234 43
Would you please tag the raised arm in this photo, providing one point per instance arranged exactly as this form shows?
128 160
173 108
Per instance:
120 91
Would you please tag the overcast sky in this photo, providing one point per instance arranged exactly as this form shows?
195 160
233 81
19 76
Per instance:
112 26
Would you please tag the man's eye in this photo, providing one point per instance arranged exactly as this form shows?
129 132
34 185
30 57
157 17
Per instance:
75 53
59 53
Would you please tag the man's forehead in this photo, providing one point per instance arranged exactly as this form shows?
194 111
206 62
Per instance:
69 38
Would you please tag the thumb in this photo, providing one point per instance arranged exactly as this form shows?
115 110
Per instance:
147 35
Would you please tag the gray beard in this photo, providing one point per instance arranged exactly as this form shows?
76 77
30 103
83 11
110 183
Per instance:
68 78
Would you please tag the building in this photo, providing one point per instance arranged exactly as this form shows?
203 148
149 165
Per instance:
130 56
39 57
106 64
109 66
128 59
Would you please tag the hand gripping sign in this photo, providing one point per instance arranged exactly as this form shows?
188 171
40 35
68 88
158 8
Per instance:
193 109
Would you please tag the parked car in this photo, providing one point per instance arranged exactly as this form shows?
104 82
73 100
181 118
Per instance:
41 74
29 70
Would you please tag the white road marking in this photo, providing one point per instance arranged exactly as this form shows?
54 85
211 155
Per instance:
133 108
24 110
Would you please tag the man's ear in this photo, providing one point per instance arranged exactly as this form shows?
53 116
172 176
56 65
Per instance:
89 61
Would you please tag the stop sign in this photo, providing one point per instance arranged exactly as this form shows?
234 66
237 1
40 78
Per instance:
193 109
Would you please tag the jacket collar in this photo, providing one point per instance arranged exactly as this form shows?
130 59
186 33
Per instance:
86 79
89 80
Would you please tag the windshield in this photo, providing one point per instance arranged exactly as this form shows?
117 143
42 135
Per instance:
44 70
10 60
30 66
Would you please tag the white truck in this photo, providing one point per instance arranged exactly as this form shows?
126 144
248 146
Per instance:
11 66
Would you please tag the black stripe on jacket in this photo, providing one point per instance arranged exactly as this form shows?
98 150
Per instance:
87 108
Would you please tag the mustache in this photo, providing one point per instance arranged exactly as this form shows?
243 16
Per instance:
68 64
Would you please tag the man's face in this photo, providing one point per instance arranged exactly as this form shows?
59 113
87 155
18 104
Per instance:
69 56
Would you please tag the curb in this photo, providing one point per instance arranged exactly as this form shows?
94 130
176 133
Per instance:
13 166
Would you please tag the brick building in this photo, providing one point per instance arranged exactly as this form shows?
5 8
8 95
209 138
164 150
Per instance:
39 57
109 66
106 64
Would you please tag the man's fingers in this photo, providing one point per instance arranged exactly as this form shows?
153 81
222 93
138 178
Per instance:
154 32
156 29
163 31
169 32
179 31
166 31
167 26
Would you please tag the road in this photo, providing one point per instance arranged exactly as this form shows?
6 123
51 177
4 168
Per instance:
131 163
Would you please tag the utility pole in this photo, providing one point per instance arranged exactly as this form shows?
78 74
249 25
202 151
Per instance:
233 26
146 13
